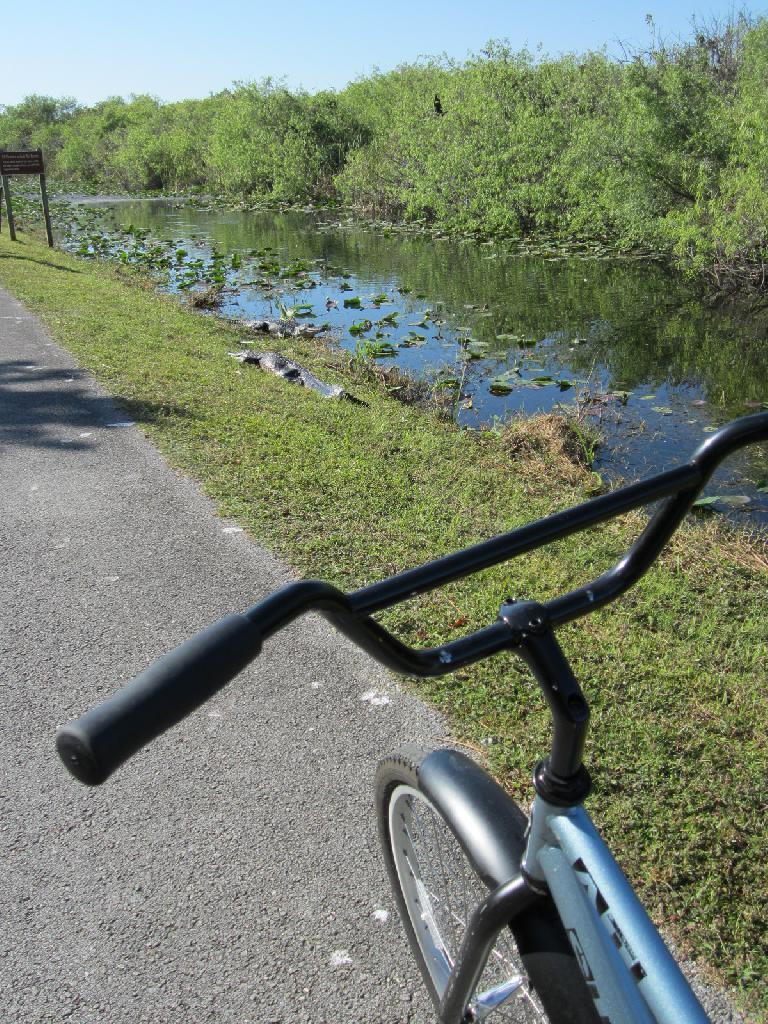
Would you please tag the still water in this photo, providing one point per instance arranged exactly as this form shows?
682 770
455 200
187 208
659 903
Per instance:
623 343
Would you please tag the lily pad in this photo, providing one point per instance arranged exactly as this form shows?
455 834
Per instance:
379 349
502 384
476 349
412 339
360 327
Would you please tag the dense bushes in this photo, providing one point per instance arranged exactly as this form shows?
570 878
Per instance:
269 142
665 150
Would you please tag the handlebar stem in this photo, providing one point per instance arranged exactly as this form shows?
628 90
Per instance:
562 778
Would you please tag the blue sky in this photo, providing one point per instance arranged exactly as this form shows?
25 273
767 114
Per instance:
174 49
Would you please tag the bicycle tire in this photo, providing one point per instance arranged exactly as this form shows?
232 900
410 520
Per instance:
436 886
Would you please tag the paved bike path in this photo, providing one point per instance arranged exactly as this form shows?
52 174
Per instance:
230 872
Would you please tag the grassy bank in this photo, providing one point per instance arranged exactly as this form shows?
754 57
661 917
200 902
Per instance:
674 672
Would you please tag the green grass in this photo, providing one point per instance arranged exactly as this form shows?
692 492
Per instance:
675 671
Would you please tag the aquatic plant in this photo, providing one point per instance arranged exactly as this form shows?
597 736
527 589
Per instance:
360 327
297 312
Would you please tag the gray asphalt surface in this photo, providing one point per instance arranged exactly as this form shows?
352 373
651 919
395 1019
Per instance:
230 872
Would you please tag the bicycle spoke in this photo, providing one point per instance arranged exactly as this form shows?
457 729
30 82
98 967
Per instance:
444 892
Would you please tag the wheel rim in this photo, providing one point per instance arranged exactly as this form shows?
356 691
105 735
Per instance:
440 890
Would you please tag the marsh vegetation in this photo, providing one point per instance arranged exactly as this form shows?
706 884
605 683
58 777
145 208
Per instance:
661 151
489 331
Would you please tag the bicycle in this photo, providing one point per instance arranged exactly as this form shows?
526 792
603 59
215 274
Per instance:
522 920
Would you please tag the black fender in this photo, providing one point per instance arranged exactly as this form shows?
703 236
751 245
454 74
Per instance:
486 821
491 830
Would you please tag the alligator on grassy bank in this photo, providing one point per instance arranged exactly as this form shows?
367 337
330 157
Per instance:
293 372
284 328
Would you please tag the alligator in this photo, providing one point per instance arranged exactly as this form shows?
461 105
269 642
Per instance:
293 372
284 328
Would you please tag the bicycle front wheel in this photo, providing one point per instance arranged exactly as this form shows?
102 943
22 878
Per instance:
531 975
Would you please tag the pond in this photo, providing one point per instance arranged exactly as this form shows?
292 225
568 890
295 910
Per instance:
623 344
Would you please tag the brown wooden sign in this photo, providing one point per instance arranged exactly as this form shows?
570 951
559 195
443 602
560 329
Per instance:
21 161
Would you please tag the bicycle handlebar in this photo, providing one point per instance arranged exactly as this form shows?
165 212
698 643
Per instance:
98 742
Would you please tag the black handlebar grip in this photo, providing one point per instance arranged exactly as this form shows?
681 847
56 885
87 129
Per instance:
97 743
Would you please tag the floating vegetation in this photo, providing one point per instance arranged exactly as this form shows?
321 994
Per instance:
512 351
474 349
510 380
300 311
503 383
187 264
412 339
368 349
360 327
446 383
294 269
520 340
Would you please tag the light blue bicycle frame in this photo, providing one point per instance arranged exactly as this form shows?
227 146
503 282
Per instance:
629 971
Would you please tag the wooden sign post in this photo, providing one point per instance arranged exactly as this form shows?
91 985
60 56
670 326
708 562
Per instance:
24 161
